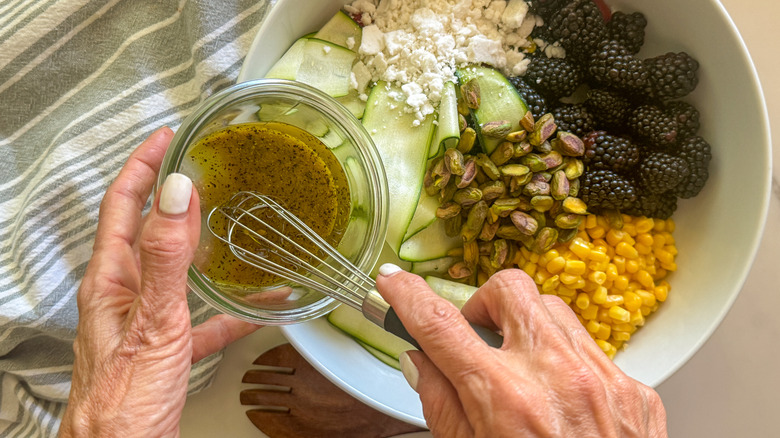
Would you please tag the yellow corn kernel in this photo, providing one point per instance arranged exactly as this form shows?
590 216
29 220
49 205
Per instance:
623 327
556 265
589 286
603 332
591 313
603 316
626 250
566 300
612 272
564 291
659 226
620 264
580 247
645 279
597 277
621 336
599 295
632 301
579 284
575 267
669 238
598 255
632 266
551 284
670 225
637 319
629 228
615 236
648 299
660 274
669 266
661 291
621 282
591 221
643 249
644 225
619 314
530 269
526 253
534 258
646 310
605 346
568 279
663 256
645 239
613 300
541 275
583 301
549 255
598 266
592 326
597 232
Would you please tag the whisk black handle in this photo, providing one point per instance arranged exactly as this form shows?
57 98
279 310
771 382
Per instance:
393 325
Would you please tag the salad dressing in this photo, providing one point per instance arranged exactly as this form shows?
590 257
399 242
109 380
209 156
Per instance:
279 160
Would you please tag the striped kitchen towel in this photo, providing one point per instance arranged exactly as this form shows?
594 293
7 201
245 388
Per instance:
82 83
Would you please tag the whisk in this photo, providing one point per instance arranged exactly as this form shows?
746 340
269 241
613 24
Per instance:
321 268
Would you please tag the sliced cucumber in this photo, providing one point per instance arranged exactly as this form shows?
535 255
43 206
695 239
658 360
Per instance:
456 293
435 267
287 66
339 29
499 101
353 323
326 66
424 214
384 358
404 149
447 126
429 243
321 64
353 103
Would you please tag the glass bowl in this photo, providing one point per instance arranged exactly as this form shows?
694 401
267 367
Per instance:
318 114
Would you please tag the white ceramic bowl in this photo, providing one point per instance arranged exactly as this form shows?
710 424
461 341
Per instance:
717 234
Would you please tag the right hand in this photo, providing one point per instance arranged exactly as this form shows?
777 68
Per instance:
548 379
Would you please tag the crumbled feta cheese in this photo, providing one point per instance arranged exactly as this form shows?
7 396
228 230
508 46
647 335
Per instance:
423 42
351 43
373 40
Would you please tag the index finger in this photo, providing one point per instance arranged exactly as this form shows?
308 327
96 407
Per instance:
435 323
123 203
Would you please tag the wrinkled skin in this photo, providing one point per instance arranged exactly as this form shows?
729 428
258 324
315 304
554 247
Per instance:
549 379
135 343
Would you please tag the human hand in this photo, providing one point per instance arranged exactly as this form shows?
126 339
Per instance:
135 343
549 379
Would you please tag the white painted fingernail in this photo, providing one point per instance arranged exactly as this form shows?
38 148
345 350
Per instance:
175 195
389 269
409 369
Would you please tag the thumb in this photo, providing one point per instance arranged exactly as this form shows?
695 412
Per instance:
167 245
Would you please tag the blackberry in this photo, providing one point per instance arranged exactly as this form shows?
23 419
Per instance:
545 8
535 101
573 118
697 153
579 27
553 77
660 172
608 108
651 124
604 189
614 66
628 30
653 205
672 75
610 152
686 116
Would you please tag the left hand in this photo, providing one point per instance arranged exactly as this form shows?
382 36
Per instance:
135 343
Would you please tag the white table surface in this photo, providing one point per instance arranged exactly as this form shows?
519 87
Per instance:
730 388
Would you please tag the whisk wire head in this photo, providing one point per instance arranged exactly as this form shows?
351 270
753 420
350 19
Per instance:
331 275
